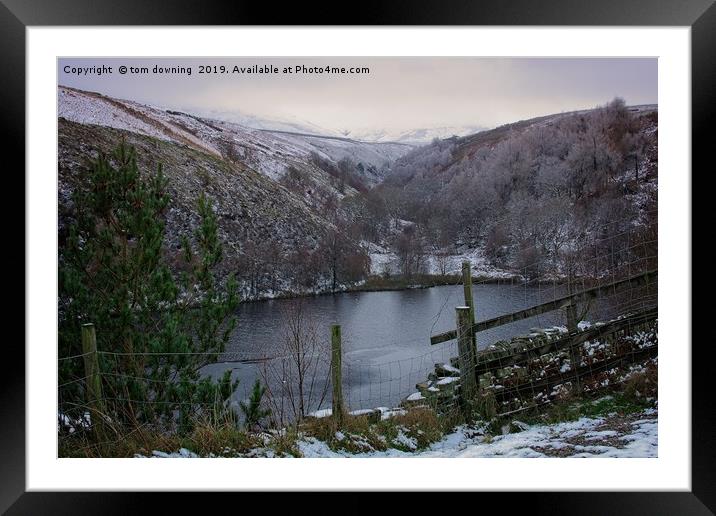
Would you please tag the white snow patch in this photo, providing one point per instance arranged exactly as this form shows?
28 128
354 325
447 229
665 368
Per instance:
450 369
406 441
322 413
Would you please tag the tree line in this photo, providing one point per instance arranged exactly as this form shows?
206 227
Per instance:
527 198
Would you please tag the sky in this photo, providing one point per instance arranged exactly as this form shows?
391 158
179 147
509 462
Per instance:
399 93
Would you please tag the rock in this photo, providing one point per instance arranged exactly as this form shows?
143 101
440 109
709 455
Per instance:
518 426
443 370
447 383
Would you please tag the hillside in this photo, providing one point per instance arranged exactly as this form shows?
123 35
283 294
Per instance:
302 212
288 124
251 207
269 152
277 194
518 195
420 136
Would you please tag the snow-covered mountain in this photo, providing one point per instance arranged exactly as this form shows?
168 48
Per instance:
287 124
413 136
420 136
269 151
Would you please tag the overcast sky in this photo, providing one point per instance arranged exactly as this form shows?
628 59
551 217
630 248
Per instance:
398 93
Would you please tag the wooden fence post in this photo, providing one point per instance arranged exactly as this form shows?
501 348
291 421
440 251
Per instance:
92 376
575 355
469 301
466 354
338 408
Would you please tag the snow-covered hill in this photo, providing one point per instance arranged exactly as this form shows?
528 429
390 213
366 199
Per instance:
270 152
251 207
275 192
289 124
420 136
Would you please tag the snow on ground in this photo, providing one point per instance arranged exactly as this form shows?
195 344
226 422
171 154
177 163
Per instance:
616 436
420 136
371 154
609 436
382 263
70 425
88 109
385 412
481 266
382 260
183 452
269 153
449 368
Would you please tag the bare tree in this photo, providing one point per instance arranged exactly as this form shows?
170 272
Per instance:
298 379
250 267
411 252
442 261
342 259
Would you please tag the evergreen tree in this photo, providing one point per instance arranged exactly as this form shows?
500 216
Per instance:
155 328
253 413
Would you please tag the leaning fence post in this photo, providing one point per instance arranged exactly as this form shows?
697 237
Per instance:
469 301
466 354
336 374
92 375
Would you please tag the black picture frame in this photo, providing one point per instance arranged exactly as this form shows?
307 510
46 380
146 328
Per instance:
16 15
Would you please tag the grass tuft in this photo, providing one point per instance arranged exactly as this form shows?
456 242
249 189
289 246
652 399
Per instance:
414 430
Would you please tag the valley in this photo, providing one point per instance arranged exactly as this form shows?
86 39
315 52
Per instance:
302 213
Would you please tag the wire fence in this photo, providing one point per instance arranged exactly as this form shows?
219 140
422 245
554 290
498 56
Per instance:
586 345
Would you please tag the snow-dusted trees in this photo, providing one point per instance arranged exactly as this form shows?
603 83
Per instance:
341 259
345 172
526 192
411 252
369 214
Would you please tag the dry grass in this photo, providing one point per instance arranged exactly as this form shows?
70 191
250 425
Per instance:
644 385
223 439
125 443
416 429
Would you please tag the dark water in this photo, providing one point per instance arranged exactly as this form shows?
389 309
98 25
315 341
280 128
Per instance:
386 335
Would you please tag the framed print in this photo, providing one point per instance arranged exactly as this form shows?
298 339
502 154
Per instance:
270 257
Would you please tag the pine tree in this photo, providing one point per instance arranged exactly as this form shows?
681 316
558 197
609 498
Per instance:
253 413
114 272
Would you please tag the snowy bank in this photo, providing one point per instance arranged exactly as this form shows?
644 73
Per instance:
609 436
614 435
